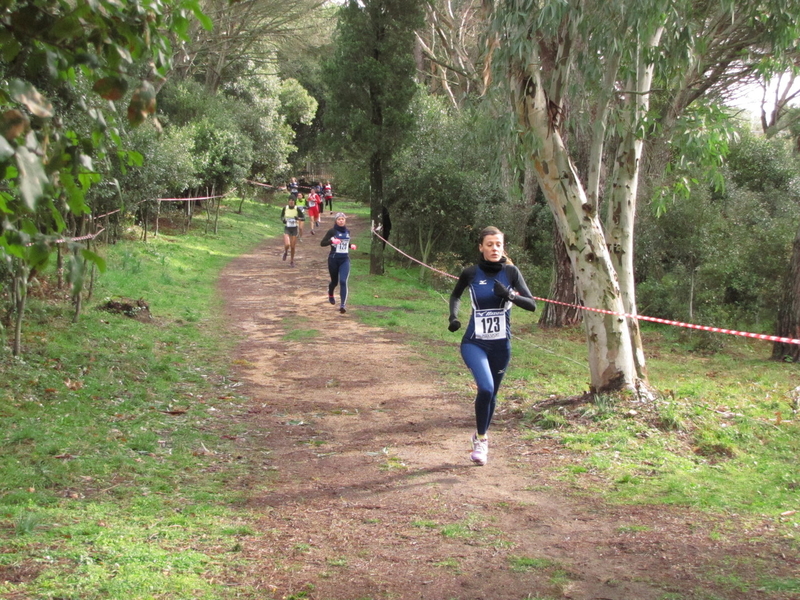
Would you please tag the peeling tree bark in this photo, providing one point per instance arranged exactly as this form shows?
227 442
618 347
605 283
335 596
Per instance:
624 190
562 289
611 362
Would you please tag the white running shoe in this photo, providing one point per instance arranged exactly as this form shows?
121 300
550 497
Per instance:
480 450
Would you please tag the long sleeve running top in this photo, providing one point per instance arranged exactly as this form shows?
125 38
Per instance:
489 314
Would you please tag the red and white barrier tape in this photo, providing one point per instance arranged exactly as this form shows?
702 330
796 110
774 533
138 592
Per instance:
90 236
107 214
758 336
276 187
385 241
189 199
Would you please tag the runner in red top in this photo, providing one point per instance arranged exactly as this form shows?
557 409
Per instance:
313 207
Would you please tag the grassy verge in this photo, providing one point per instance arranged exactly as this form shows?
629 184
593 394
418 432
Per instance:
113 473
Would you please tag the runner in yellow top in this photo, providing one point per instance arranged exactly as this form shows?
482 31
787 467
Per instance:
292 217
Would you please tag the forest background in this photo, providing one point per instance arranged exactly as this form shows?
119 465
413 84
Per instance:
219 95
110 107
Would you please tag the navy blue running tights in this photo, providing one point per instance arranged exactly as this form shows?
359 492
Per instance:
488 369
339 268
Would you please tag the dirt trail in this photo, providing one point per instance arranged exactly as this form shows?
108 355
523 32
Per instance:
360 471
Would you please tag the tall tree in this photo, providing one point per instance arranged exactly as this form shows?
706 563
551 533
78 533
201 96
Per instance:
370 81
778 116
788 322
450 42
623 47
245 35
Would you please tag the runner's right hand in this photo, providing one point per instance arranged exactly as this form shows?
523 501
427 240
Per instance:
455 325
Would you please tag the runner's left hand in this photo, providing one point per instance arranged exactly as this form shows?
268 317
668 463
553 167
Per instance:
503 291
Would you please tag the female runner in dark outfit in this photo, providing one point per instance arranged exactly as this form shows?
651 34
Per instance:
338 238
494 285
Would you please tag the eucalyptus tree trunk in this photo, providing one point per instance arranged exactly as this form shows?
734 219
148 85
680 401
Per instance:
621 206
564 310
562 289
611 362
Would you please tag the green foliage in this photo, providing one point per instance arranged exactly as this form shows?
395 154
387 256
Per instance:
168 164
762 165
223 154
439 182
255 102
302 61
369 78
53 54
181 102
96 471
297 106
352 180
720 256
238 132
444 186
699 143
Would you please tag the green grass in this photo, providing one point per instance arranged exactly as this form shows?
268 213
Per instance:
473 528
527 563
451 564
106 428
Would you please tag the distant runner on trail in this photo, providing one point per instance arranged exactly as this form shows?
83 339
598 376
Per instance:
313 203
292 216
328 193
338 238
293 187
494 285
301 204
